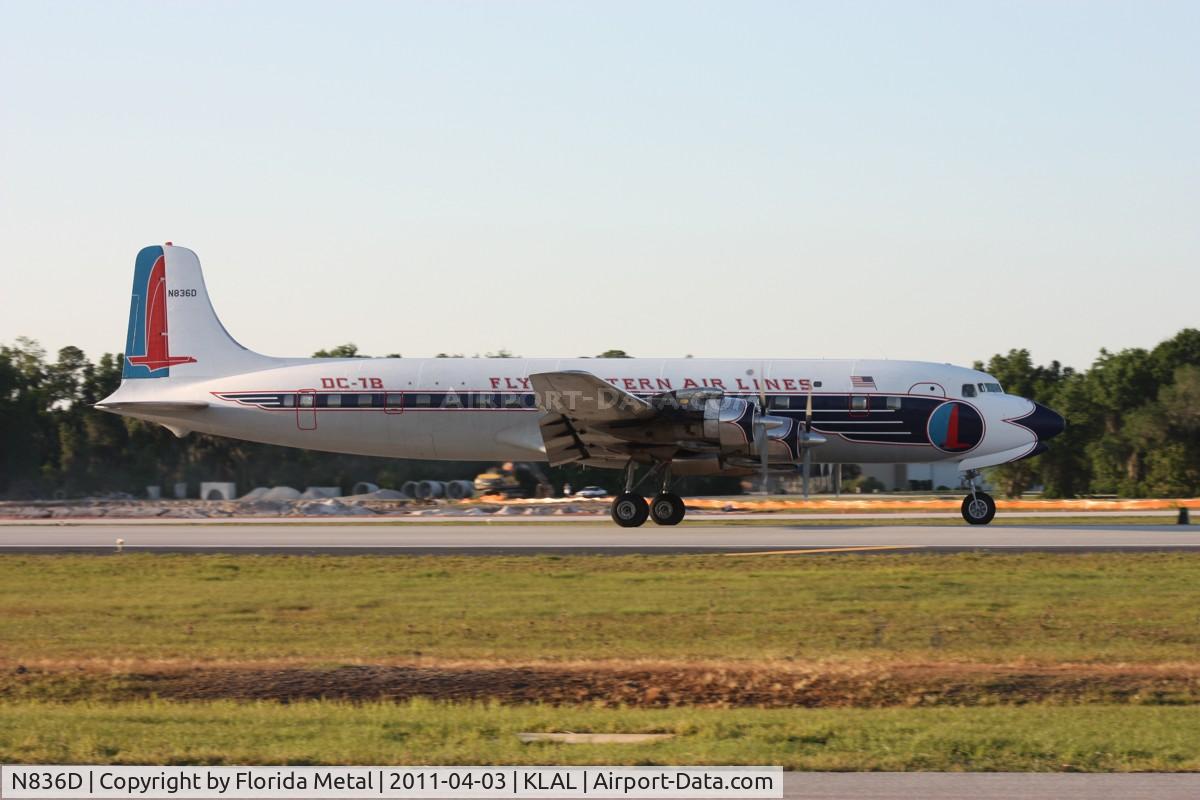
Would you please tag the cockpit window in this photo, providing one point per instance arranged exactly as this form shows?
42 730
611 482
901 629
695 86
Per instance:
968 390
995 387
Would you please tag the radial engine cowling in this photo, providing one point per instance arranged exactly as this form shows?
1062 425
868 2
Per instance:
732 422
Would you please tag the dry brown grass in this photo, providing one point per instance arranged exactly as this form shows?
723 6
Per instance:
622 684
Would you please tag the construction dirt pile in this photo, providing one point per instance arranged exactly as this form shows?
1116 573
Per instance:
277 503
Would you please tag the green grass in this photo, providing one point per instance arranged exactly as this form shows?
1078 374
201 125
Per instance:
1045 607
133 610
1029 738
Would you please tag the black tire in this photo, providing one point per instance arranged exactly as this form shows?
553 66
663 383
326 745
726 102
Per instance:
978 509
667 509
629 510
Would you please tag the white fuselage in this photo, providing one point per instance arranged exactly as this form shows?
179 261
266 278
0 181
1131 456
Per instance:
483 409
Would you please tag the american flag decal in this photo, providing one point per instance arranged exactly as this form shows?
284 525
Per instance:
862 381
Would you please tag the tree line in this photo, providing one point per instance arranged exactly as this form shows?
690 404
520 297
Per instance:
1133 421
1133 429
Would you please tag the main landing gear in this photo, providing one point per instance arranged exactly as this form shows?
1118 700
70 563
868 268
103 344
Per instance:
978 508
630 509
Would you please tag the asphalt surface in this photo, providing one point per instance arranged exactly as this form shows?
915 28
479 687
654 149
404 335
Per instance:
523 538
987 786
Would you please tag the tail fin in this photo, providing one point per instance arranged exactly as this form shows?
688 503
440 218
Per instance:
173 329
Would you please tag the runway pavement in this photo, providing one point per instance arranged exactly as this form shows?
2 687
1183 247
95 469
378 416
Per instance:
523 538
987 786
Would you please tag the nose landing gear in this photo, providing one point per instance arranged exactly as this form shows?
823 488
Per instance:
978 508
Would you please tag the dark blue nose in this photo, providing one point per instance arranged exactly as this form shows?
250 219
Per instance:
1044 423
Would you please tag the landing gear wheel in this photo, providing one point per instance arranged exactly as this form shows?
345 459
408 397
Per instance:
979 508
629 510
667 509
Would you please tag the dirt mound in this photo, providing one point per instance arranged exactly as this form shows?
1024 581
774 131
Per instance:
657 686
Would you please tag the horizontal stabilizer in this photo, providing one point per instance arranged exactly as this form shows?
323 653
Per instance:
151 406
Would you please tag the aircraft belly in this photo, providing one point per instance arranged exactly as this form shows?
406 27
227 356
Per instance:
840 451
335 431
485 435
408 435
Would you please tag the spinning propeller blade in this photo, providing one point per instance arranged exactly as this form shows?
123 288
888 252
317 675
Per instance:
807 460
760 435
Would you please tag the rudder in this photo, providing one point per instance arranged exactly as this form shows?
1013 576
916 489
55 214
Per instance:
173 330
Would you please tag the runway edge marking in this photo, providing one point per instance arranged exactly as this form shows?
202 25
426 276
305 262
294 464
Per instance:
811 551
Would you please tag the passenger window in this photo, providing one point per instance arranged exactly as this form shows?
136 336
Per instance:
306 400
893 403
513 401
285 401
781 401
364 401
333 400
422 401
858 403
394 401
969 389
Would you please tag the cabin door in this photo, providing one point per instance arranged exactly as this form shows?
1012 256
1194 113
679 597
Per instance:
306 410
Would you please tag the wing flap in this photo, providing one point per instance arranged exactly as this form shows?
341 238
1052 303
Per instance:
581 409
562 441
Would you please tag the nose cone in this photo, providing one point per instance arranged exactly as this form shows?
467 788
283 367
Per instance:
1044 423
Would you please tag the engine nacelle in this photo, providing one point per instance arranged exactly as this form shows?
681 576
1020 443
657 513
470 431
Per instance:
731 423
707 422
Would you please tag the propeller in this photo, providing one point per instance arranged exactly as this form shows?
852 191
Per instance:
760 435
807 460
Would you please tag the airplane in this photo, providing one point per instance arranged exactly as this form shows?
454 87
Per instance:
662 417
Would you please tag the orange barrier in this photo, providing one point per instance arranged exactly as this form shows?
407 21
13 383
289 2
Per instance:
858 504
941 504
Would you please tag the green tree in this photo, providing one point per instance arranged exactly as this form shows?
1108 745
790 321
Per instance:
1165 435
1020 376
1180 350
1133 427
347 350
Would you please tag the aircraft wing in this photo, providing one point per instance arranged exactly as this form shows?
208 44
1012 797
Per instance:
583 396
580 408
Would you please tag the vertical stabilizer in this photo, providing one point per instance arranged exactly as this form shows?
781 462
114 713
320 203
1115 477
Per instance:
173 330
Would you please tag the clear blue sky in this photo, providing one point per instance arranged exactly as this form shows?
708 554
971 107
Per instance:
910 180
